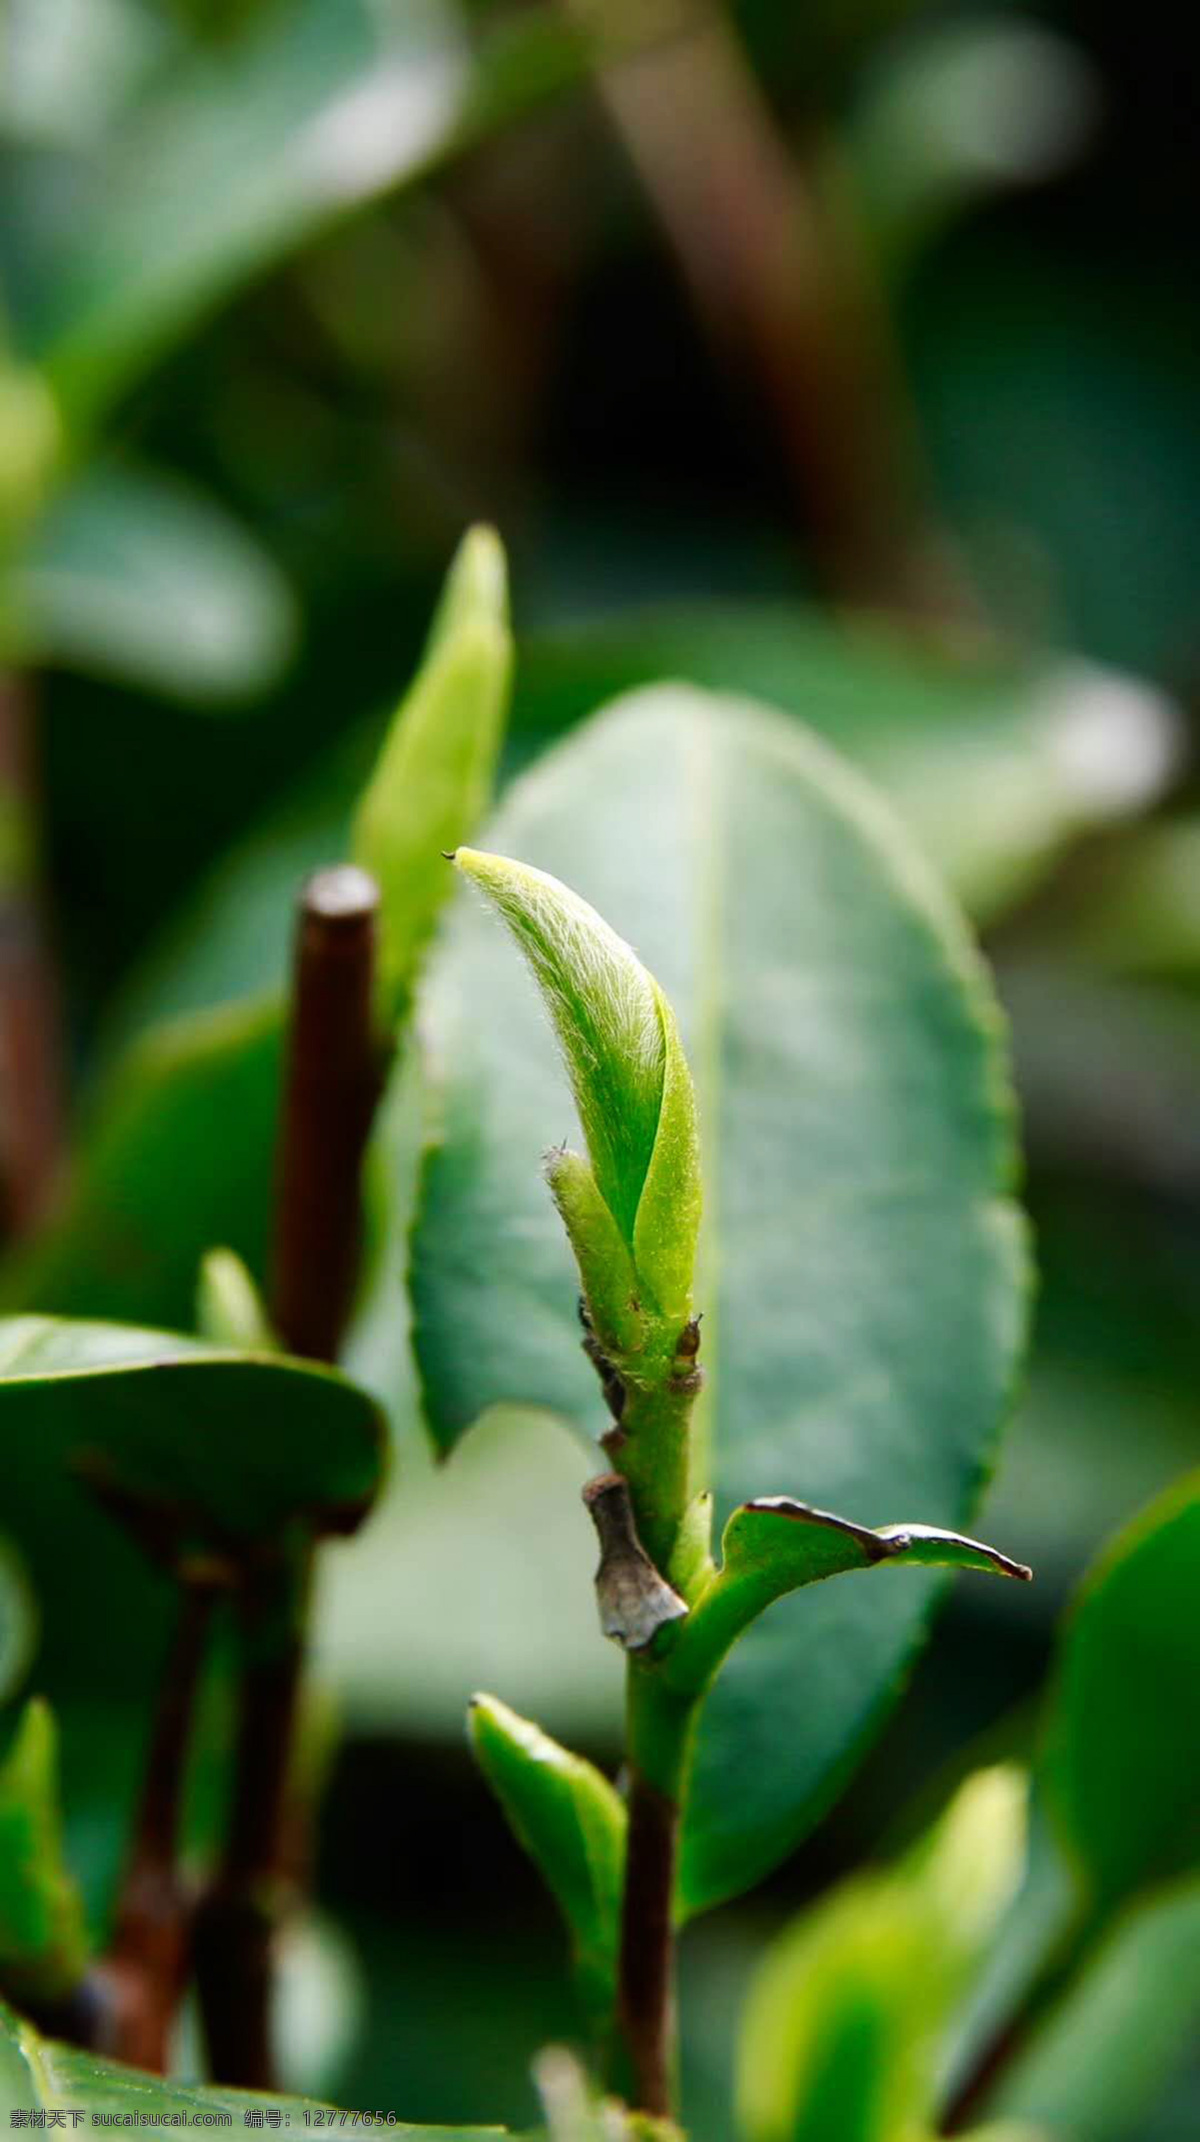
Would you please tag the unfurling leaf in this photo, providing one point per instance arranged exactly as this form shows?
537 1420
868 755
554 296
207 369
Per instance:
230 1311
631 1085
572 1823
43 1943
843 2019
774 1545
433 778
632 1209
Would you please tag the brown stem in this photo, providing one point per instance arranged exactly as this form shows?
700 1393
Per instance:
31 1080
646 1971
235 1926
331 1085
332 1081
146 1968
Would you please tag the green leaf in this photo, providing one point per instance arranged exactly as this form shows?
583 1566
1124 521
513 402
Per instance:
1033 1933
774 1546
240 1445
136 575
1123 1743
238 159
43 1941
843 2019
37 2074
862 1271
1099 2063
605 1012
230 1311
995 767
572 1824
178 1155
434 776
628 1074
633 1216
179 1151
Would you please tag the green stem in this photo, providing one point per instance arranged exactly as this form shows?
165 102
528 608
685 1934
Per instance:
651 1446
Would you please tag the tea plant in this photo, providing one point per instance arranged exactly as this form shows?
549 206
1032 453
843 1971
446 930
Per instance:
800 1282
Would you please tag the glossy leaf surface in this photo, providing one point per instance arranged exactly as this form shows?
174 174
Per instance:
861 1270
239 1444
775 1546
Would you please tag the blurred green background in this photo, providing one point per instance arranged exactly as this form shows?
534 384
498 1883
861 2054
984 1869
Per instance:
845 355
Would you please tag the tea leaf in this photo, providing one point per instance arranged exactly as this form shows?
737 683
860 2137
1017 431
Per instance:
1123 1744
433 778
774 1546
572 1823
37 2074
861 1271
843 2018
236 1446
